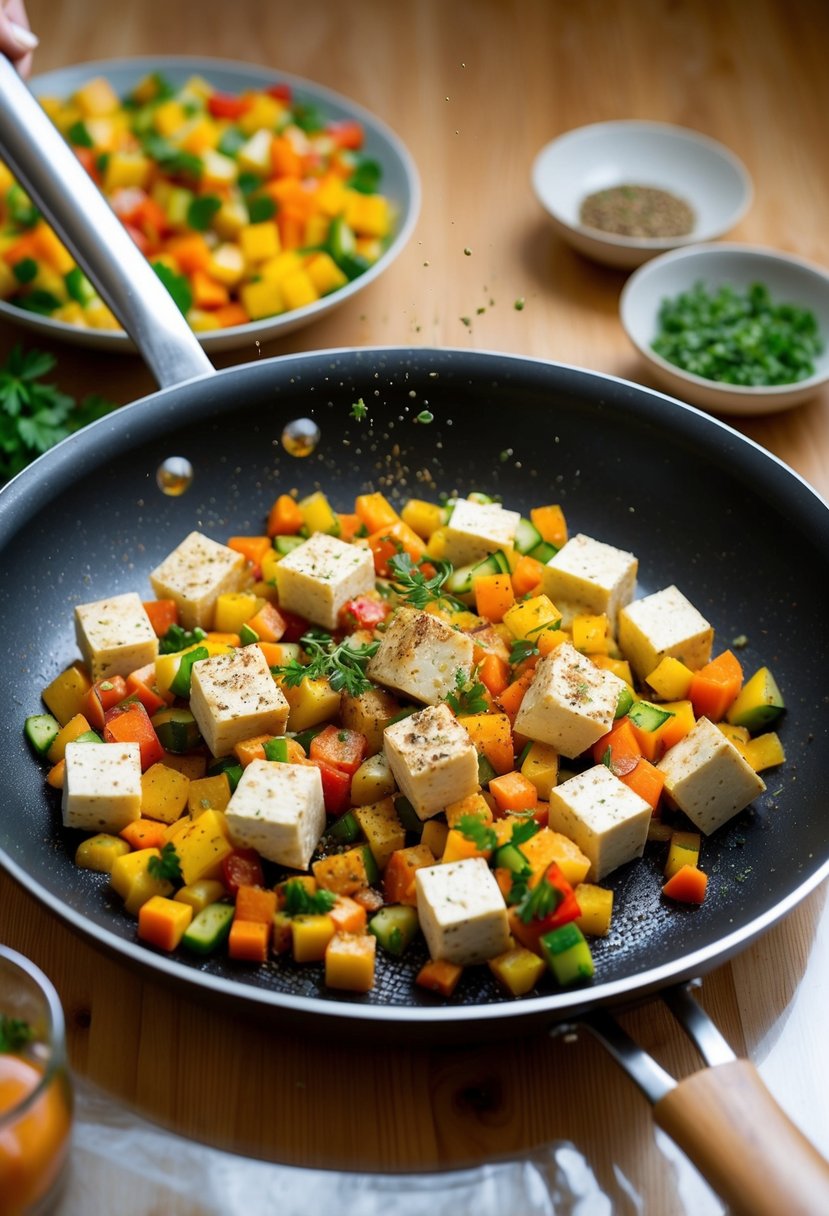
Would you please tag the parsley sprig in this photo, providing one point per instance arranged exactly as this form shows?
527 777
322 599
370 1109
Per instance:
177 638
15 1033
167 866
341 663
34 416
416 588
538 901
299 901
468 695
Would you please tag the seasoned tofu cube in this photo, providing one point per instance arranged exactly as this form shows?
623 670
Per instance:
461 911
570 703
604 817
115 636
476 529
420 655
665 623
278 809
234 696
195 574
707 778
317 577
587 575
432 758
101 786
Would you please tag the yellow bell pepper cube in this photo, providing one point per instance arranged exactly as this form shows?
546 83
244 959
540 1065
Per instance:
199 134
262 298
127 169
167 665
76 726
208 794
100 852
531 617
98 316
596 904
227 264
169 116
71 312
670 679
233 608
201 894
201 320
52 249
217 169
318 514
368 214
164 793
202 847
540 765
472 804
230 219
64 696
350 961
683 850
97 97
310 936
434 836
764 751
590 633
311 702
264 112
260 241
330 195
517 970
382 829
423 517
286 263
131 879
298 289
324 273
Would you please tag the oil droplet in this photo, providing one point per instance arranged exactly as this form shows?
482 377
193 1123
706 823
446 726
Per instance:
300 437
174 476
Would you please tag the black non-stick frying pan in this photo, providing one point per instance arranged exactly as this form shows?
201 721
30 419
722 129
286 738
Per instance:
701 506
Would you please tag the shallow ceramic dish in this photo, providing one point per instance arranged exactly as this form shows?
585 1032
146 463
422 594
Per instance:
685 163
790 280
400 181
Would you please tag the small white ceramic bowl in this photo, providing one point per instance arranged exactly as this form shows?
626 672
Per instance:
789 279
691 166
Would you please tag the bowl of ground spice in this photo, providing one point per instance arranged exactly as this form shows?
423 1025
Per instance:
731 328
623 192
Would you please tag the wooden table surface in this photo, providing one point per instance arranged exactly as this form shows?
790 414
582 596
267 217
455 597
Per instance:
474 89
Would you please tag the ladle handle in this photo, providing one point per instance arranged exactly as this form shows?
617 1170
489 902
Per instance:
52 175
726 1121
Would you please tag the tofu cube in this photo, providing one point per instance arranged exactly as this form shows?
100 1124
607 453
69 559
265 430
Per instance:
476 529
234 696
318 577
707 778
600 814
432 758
115 636
195 574
570 703
278 809
102 786
587 575
461 911
420 655
665 623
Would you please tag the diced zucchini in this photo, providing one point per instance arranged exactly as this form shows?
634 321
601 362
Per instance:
284 544
345 829
460 580
231 768
41 730
648 716
395 926
527 536
177 730
209 929
567 954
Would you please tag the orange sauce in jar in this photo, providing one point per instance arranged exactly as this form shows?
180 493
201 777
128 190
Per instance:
34 1134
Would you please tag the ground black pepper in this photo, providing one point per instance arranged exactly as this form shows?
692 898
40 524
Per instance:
637 211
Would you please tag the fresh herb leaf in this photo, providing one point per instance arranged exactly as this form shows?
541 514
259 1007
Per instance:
20 207
538 901
167 866
413 586
359 410
366 177
35 416
342 664
299 901
171 158
261 208
78 134
25 270
176 284
15 1033
522 649
468 696
201 211
480 833
524 830
177 638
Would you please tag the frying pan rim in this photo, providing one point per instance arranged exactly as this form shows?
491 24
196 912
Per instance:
141 419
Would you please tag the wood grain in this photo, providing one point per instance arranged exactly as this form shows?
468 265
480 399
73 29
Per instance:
475 88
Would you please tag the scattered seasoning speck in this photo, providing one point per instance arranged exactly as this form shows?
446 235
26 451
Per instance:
468 252
519 304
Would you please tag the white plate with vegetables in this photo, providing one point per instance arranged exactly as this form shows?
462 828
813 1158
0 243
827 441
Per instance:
736 329
263 200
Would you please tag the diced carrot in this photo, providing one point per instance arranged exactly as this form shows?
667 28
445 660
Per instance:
249 940
439 976
253 548
494 595
268 623
339 747
399 874
494 674
208 292
492 735
688 885
646 780
56 775
162 614
273 652
285 160
513 792
145 833
284 517
231 314
390 540
527 575
620 747
715 686
102 696
348 916
255 904
247 750
134 726
551 524
512 696
350 525
149 698
375 511
190 251
163 922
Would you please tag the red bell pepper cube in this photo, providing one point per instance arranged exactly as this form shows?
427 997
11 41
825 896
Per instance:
102 696
363 612
336 787
339 748
225 105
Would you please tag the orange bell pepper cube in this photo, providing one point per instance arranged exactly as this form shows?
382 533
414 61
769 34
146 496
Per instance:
137 686
715 686
340 748
551 524
390 540
208 293
350 525
399 874
494 595
512 696
255 904
132 725
284 517
646 780
163 922
494 674
439 976
231 314
348 916
253 548
285 160
249 940
688 885
527 575
375 511
268 623
513 792
619 749
191 252
251 749
101 697
145 834
162 614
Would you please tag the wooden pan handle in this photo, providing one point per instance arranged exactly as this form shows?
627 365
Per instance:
726 1121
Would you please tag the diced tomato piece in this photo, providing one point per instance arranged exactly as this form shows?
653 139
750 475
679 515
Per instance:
102 696
346 133
242 868
336 787
225 105
363 612
282 92
343 749
295 626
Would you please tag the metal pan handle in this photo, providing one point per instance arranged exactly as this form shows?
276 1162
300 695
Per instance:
45 165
